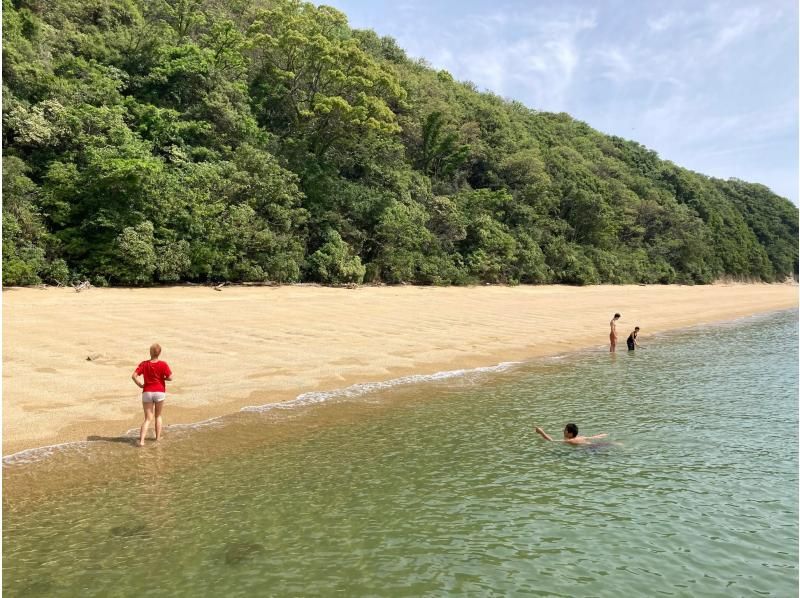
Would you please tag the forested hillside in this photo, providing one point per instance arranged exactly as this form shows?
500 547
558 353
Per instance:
153 141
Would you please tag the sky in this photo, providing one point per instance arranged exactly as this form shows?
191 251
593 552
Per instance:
711 86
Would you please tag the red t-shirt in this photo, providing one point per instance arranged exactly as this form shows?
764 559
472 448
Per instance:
154 373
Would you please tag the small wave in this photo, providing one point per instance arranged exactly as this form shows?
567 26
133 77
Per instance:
32 455
361 389
214 421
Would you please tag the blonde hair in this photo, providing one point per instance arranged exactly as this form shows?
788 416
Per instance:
155 350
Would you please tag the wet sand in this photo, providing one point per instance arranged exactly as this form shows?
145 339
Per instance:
257 345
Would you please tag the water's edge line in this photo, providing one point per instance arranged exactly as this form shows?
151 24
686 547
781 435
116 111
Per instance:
304 399
363 388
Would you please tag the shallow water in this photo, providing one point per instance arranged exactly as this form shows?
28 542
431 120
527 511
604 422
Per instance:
443 487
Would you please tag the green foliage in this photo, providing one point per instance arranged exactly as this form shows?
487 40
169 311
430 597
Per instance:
312 80
134 260
174 140
27 246
404 242
441 154
570 263
334 262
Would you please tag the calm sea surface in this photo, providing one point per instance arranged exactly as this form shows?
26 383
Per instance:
442 488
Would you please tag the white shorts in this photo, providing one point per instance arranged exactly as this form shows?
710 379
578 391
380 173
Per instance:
153 397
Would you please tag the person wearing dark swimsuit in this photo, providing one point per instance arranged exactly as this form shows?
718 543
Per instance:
632 342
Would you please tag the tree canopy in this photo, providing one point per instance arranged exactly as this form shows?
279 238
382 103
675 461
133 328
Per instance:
153 141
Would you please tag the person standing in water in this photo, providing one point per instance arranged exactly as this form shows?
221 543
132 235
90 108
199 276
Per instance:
613 336
633 339
154 373
570 435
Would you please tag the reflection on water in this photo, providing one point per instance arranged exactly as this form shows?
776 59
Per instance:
444 488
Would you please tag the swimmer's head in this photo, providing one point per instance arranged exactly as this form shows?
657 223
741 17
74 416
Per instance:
617 316
155 350
570 431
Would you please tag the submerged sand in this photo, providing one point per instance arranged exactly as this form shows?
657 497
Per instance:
68 357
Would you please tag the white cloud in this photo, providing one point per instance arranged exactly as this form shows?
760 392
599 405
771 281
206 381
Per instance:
539 55
714 26
666 21
738 25
614 64
684 121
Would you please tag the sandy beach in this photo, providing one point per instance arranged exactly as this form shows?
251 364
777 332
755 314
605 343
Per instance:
68 357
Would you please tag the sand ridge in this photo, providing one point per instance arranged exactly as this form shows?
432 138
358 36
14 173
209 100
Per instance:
256 345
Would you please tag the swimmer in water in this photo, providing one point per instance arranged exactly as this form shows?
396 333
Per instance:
633 340
571 435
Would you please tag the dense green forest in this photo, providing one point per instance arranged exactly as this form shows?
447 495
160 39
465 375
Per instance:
155 141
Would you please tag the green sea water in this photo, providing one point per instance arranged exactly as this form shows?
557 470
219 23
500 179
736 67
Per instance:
442 488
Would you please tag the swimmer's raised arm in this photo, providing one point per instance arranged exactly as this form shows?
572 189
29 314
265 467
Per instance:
542 433
570 435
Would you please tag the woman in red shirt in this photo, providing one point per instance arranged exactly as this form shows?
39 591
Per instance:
154 373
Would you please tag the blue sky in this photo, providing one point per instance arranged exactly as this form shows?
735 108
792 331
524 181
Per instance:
712 86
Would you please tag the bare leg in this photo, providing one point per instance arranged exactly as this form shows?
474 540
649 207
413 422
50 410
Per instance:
613 343
148 417
159 407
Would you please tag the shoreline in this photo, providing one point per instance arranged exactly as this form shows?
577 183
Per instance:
362 388
431 330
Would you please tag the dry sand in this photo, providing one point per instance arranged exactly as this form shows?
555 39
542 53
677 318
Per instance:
251 346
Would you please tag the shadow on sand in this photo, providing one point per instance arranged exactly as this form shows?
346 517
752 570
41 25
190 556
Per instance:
121 439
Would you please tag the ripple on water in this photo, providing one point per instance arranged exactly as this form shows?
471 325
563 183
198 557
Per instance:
443 488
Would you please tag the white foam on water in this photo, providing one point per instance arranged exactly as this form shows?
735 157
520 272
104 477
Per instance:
361 389
214 421
33 455
41 452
